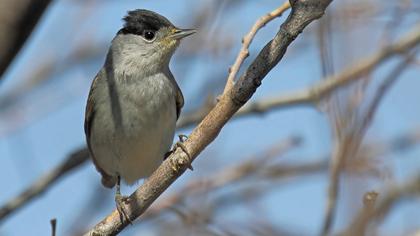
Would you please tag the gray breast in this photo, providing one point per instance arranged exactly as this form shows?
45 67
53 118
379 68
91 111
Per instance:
134 126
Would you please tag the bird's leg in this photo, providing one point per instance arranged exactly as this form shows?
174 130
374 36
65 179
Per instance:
182 138
120 200
180 144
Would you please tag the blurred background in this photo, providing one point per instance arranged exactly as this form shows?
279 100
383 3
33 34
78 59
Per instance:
268 172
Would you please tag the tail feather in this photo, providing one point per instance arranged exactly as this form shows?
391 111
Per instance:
109 181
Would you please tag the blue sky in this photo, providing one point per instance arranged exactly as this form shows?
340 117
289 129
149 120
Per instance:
33 147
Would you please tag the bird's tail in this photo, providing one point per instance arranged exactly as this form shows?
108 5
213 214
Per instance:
108 181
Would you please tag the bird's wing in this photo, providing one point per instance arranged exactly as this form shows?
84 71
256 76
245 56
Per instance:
90 111
179 98
107 180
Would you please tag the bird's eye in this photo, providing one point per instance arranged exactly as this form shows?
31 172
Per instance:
149 35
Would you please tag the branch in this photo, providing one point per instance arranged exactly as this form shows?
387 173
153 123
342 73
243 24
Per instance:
263 170
394 195
53 223
74 160
323 88
247 40
349 144
303 12
18 18
226 176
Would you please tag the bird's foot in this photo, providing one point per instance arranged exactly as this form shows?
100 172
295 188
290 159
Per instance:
180 144
120 201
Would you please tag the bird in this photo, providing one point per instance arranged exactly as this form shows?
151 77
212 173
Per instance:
134 101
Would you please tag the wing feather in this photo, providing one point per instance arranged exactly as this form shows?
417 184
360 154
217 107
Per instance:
107 180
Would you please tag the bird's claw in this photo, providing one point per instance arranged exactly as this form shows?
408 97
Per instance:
182 138
120 201
180 144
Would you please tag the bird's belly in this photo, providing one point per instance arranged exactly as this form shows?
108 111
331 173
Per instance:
134 144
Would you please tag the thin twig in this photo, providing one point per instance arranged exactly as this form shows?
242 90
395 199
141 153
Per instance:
53 227
247 40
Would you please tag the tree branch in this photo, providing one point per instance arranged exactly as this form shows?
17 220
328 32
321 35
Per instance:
394 195
18 18
74 160
349 144
227 176
323 88
303 12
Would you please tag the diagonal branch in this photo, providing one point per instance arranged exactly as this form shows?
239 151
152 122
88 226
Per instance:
303 12
19 18
74 160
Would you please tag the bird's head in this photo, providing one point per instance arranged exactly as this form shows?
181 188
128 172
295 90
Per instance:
150 36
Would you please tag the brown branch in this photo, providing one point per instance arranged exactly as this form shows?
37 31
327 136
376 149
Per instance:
270 173
18 18
247 40
39 187
251 167
303 12
394 195
323 88
349 144
224 177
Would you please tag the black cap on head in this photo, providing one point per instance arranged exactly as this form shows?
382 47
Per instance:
137 21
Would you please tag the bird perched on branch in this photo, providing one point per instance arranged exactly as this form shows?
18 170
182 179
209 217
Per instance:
134 101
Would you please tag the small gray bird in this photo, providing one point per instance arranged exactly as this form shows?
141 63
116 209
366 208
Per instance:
134 101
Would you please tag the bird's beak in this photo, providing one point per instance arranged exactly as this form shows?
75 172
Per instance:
182 33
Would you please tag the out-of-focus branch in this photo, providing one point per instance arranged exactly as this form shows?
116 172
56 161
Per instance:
369 153
394 195
274 172
47 66
18 18
247 40
303 12
53 223
322 89
270 174
350 142
42 184
226 176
